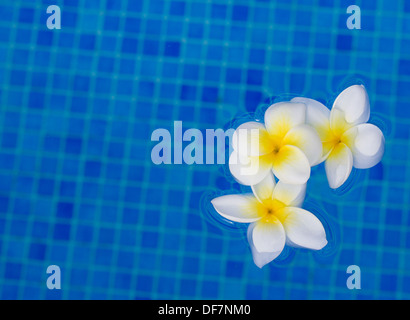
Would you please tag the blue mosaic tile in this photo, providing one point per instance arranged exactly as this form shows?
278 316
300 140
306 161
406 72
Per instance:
78 105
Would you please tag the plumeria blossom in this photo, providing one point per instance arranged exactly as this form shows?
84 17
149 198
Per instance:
348 140
285 144
275 217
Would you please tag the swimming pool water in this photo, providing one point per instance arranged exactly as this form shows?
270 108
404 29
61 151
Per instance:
78 105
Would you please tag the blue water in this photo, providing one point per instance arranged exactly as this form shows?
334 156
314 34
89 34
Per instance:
78 105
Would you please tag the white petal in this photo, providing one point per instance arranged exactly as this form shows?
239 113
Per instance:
339 165
260 258
237 207
291 166
283 116
249 170
338 123
303 229
306 139
268 236
292 195
264 189
354 102
317 116
368 146
251 139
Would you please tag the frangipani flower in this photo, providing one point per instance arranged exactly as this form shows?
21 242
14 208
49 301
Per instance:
276 218
285 145
348 141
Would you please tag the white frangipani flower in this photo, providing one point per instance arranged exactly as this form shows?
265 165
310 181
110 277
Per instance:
285 145
275 217
348 140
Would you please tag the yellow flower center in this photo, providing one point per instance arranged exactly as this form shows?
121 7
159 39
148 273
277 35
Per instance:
276 143
276 148
337 139
341 137
338 133
270 210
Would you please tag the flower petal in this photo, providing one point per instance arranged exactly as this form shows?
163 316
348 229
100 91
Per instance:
260 258
338 123
281 117
268 236
249 170
318 116
292 195
264 189
327 149
291 166
303 229
306 139
339 165
354 102
251 139
367 145
237 207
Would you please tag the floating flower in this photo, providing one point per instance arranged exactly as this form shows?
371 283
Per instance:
275 217
285 145
348 141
